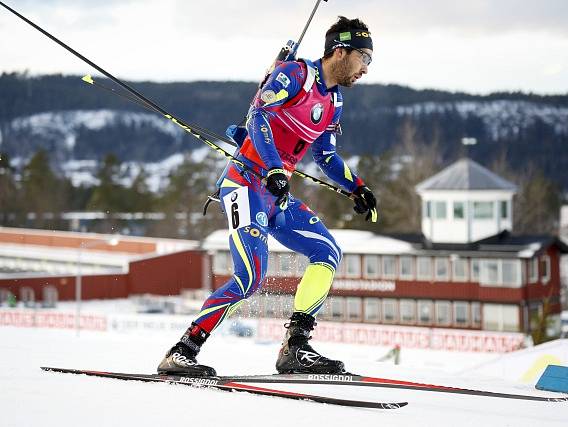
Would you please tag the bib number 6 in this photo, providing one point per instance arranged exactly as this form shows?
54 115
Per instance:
237 208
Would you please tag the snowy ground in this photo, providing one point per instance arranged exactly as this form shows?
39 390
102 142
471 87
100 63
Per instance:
31 397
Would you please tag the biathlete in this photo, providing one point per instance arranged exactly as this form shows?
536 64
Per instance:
298 107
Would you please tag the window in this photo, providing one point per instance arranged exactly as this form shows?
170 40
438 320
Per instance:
504 209
285 264
489 273
459 270
510 318
483 210
461 314
389 266
441 268
501 272
254 305
424 268
535 314
545 268
511 269
389 311
372 310
533 270
440 210
336 310
459 210
222 263
49 296
475 270
353 309
500 317
352 265
325 311
27 296
492 317
287 302
407 311
425 311
475 314
301 264
443 313
406 267
273 264
271 304
371 266
427 209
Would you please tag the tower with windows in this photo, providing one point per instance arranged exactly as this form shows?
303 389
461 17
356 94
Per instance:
464 203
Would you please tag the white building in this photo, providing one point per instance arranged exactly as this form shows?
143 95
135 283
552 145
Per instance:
464 203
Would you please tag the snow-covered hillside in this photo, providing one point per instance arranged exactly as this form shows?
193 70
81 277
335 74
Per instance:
501 119
76 138
65 125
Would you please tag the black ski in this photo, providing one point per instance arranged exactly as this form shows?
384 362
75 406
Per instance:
360 380
231 384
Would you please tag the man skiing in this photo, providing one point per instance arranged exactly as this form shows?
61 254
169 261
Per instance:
298 107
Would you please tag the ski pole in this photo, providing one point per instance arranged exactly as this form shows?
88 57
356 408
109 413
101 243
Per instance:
289 50
90 80
199 133
308 24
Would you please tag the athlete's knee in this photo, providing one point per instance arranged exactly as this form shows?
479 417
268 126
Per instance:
328 253
249 281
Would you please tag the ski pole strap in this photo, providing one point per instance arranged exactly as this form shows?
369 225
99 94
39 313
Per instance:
213 197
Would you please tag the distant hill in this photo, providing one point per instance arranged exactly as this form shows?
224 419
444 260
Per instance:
73 120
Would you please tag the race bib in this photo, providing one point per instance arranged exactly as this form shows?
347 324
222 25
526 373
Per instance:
237 208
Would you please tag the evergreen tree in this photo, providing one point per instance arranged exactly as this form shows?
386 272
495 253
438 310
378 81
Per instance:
393 177
8 192
107 196
536 206
138 196
43 193
183 200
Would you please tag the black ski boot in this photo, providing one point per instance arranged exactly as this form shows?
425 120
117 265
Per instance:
180 359
298 357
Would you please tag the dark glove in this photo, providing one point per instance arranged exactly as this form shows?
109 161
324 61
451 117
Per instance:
278 185
365 202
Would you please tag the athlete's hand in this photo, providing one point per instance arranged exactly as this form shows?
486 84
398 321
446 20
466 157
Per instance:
277 183
365 202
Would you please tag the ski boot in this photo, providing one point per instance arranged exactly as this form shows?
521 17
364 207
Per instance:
297 356
181 358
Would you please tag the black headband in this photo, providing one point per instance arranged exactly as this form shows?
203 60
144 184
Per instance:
359 39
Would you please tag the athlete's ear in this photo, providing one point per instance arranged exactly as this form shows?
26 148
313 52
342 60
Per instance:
339 53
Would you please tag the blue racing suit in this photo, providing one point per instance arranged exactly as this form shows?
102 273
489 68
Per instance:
292 112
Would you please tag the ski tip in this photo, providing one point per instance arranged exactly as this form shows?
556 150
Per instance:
88 79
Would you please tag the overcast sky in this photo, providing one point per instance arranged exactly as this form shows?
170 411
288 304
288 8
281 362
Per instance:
477 46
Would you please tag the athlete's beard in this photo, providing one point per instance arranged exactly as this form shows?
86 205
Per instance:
341 69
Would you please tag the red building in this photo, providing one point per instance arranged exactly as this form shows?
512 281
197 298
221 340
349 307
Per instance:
44 266
465 270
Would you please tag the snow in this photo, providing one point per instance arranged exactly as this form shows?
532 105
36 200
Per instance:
68 123
502 118
33 397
